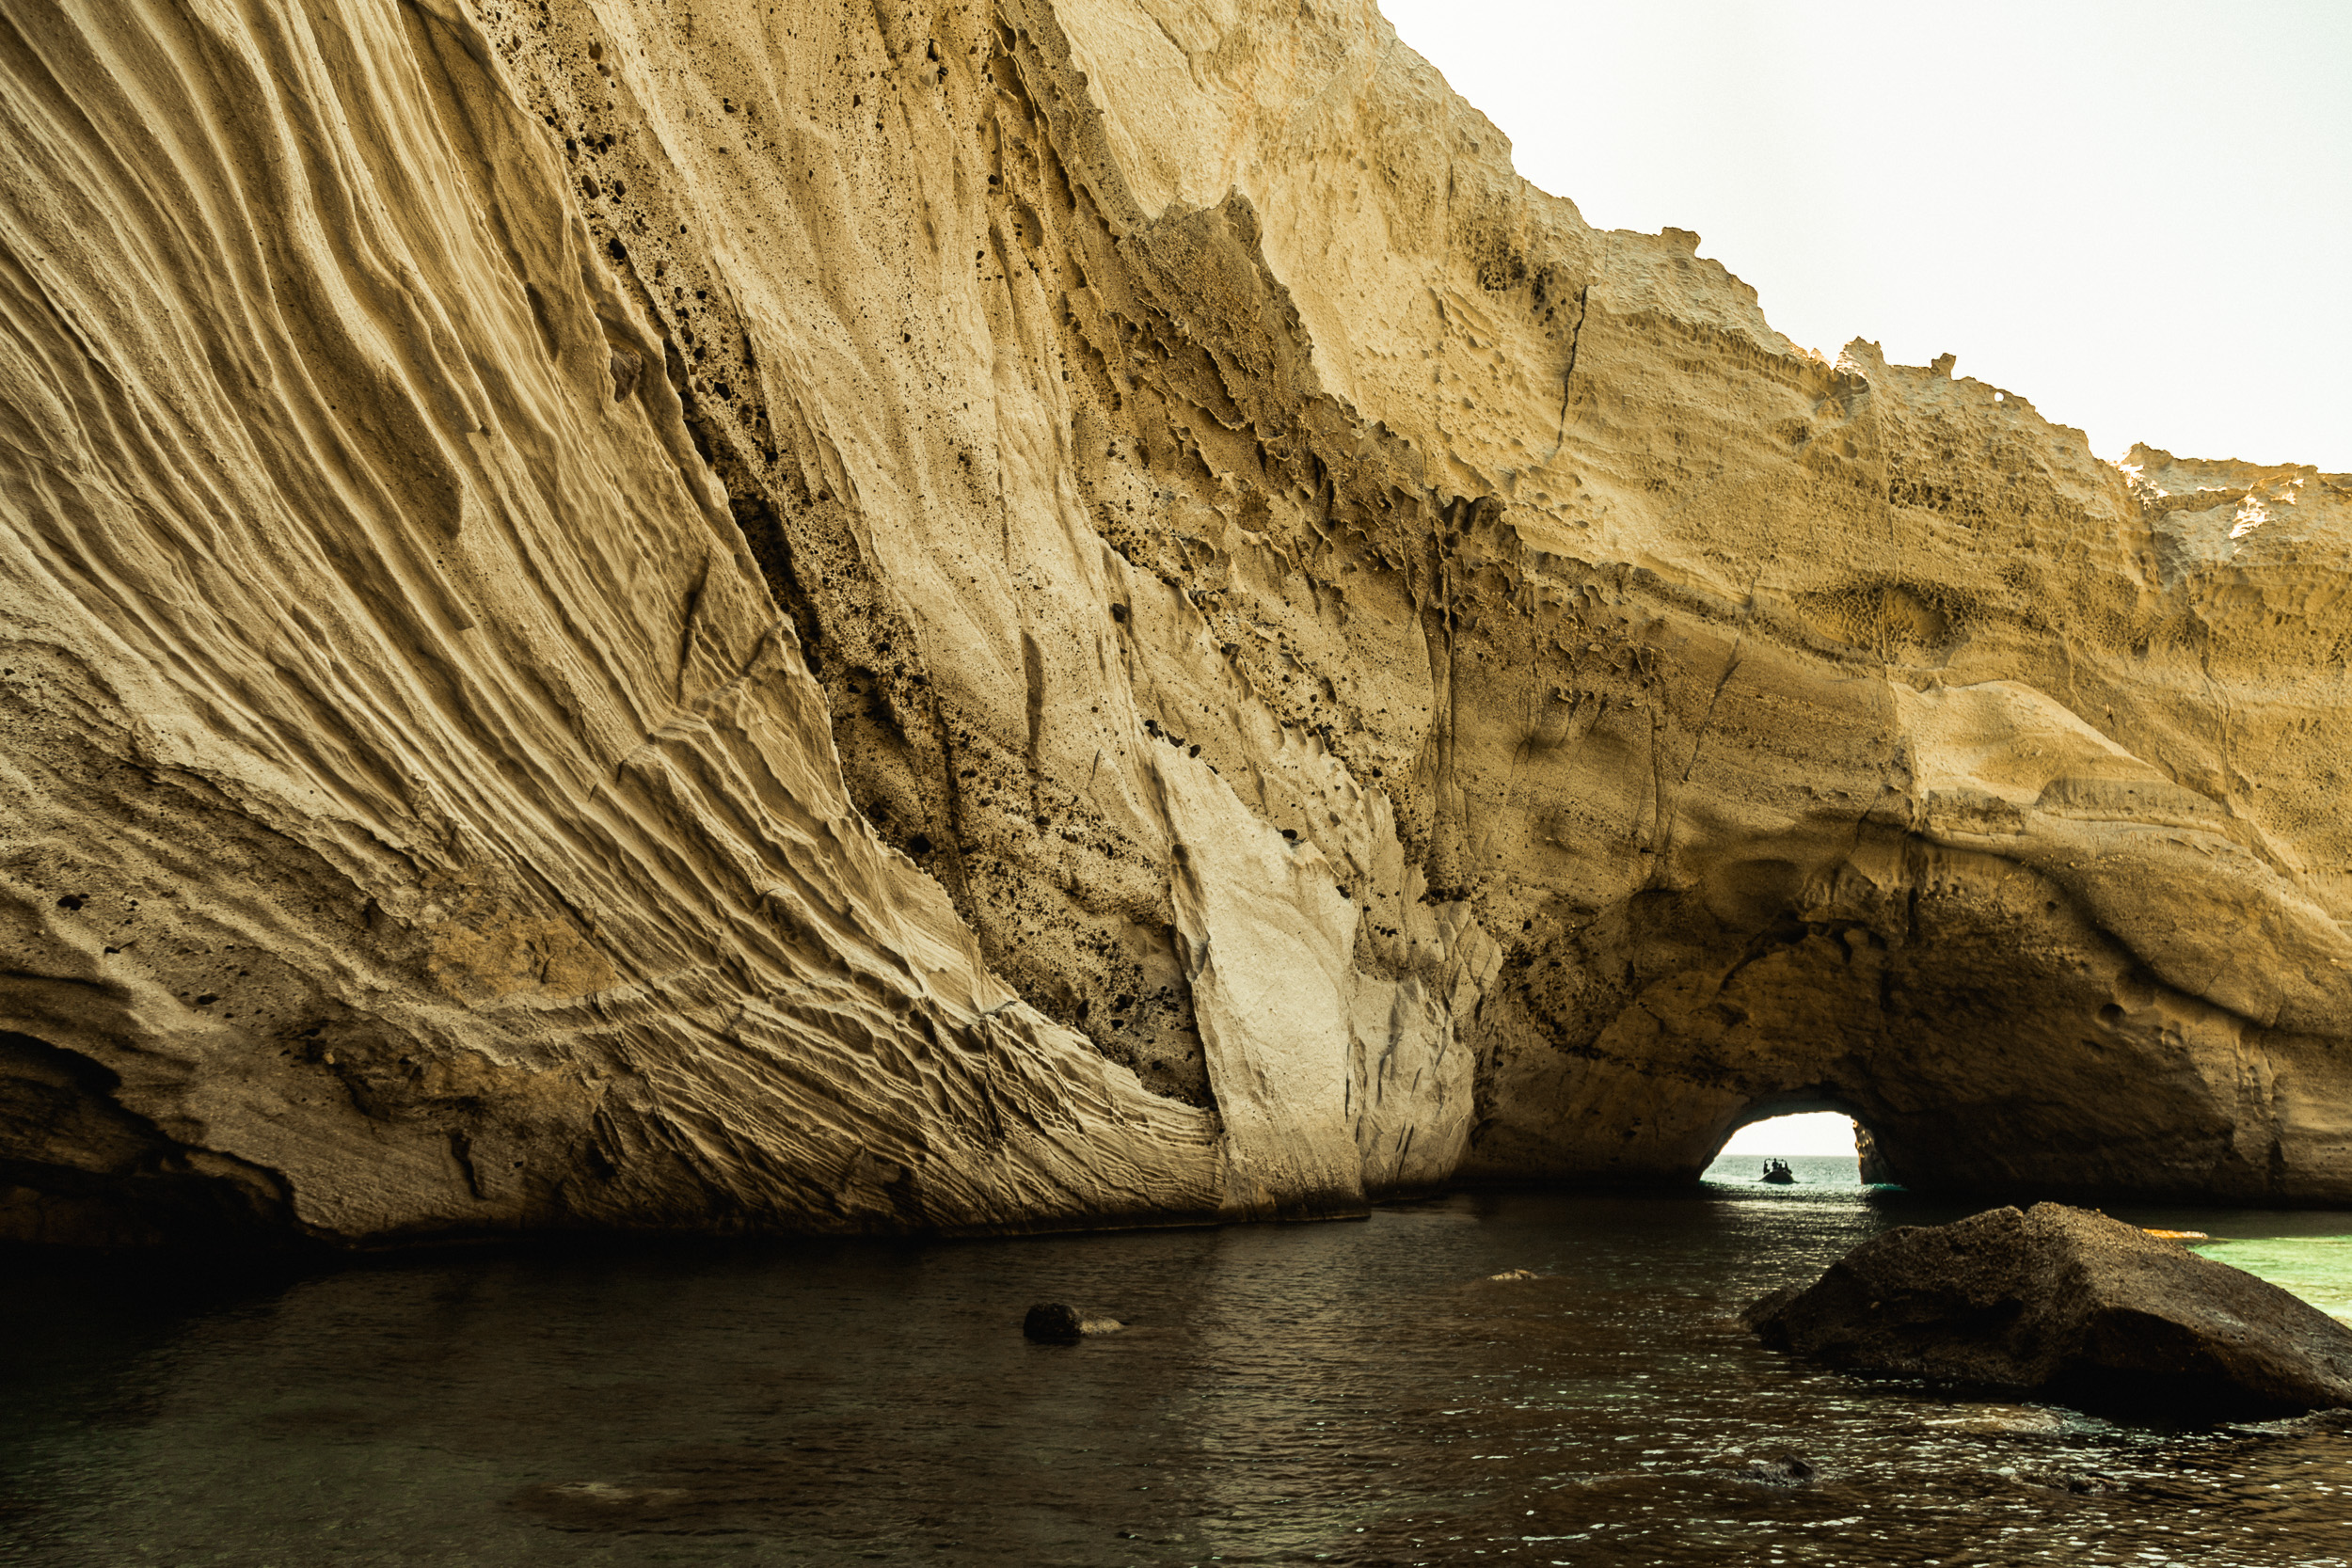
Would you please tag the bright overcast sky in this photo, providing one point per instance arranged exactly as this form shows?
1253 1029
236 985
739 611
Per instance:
2135 214
1812 1132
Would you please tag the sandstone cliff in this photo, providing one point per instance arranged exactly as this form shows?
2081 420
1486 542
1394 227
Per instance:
720 616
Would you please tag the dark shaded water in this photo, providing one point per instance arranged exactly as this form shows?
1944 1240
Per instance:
1348 1393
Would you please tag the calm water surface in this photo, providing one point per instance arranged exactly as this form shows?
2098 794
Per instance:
1345 1393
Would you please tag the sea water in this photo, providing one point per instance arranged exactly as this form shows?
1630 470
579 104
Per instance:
1811 1170
1359 1393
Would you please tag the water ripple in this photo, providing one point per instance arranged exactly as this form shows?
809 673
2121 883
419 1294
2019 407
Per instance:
1355 1393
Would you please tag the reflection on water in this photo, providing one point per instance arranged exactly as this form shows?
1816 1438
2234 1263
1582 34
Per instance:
1350 1393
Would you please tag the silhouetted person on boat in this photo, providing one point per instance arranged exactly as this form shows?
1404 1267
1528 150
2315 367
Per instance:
1778 1173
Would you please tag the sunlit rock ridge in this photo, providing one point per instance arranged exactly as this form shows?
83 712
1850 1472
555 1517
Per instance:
729 617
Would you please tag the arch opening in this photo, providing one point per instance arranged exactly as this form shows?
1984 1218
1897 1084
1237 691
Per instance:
1816 1145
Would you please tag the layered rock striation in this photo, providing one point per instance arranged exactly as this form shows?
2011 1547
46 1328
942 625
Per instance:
731 617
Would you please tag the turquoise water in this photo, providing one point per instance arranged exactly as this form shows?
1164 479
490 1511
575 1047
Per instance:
2317 1268
1359 1393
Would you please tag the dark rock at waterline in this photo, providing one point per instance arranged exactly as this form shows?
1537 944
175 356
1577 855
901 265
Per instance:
1054 1322
1788 1470
2070 1301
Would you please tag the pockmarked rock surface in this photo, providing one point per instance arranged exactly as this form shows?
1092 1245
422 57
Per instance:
728 617
2060 1297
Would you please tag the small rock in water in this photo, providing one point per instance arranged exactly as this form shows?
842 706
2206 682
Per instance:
1056 1322
1788 1470
1515 1274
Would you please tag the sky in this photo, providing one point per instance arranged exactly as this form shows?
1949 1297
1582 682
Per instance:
1813 1133
2135 216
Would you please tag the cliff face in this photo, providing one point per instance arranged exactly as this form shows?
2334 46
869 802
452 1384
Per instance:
727 616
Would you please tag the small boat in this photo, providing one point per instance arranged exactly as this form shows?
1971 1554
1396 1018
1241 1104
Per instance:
1778 1173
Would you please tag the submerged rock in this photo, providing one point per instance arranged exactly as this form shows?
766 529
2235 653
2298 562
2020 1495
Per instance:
1788 1470
2066 1299
2076 1484
1056 1322
2007 1419
593 1505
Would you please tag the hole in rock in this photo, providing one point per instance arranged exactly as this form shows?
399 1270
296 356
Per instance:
1817 1148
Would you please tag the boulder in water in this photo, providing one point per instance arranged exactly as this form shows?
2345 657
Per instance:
2064 1299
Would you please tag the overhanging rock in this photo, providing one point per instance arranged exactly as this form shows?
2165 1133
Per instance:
731 617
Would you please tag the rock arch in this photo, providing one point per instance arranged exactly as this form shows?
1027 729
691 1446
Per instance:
1960 1007
1299 672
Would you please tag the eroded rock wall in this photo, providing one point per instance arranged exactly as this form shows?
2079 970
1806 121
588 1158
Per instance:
718 616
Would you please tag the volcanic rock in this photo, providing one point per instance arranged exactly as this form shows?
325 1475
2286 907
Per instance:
2067 1300
725 616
